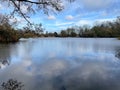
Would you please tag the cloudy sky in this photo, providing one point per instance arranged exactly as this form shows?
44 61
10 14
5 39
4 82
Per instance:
80 13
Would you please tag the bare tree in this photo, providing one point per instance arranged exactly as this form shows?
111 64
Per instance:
33 6
38 28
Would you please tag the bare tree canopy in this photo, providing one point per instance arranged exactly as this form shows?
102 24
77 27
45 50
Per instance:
33 6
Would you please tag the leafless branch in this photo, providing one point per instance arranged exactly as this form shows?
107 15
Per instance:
44 5
18 8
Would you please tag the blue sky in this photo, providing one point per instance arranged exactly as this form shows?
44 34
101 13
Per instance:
81 12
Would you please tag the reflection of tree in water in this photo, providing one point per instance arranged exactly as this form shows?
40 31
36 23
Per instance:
12 84
4 62
117 54
4 55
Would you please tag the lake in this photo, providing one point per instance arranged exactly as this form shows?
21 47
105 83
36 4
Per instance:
62 63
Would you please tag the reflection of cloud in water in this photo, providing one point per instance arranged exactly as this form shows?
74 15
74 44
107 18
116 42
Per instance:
63 75
52 68
64 64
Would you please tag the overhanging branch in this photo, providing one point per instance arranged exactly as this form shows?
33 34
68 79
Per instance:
18 8
42 4
36 2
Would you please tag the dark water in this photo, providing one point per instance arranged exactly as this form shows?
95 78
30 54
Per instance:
62 63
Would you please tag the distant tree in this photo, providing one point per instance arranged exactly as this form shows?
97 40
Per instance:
63 33
72 31
50 34
68 31
103 29
56 34
38 28
80 31
73 34
46 34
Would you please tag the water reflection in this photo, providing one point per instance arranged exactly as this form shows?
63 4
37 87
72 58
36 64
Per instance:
3 63
64 64
12 84
4 55
117 54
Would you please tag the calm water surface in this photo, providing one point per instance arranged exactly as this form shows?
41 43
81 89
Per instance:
62 63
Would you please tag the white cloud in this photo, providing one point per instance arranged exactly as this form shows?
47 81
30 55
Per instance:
0 6
19 19
24 8
104 13
84 22
107 19
93 22
63 23
60 25
53 67
4 7
51 17
96 4
69 17
116 11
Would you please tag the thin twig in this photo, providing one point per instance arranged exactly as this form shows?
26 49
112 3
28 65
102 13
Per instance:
21 12
36 2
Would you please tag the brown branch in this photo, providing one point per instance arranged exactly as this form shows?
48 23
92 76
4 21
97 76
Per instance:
44 3
35 2
18 8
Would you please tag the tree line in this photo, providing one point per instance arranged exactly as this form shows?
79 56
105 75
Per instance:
105 29
108 29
